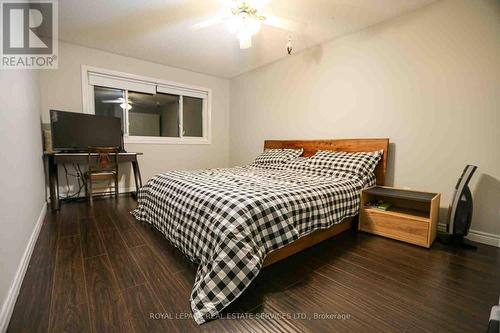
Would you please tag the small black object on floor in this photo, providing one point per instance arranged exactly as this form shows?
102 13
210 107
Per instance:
460 217
457 241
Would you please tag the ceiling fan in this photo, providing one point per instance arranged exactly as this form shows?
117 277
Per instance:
244 19
121 101
131 102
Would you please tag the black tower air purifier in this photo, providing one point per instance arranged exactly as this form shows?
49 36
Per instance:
460 213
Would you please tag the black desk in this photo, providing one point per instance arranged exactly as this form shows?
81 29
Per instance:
54 159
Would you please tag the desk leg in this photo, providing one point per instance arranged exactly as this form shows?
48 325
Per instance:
137 176
53 183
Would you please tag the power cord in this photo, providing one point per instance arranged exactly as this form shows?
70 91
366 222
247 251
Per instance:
79 178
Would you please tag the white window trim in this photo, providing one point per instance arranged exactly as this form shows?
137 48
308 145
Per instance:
89 107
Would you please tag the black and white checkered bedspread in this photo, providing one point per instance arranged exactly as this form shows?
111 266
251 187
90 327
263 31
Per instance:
228 220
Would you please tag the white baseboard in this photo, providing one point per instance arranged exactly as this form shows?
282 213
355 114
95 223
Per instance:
478 236
10 301
441 227
484 238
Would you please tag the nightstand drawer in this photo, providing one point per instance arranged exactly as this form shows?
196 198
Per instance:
400 227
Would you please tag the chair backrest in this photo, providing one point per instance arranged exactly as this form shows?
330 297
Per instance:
103 159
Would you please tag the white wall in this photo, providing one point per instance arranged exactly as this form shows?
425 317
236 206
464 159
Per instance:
61 90
428 80
22 194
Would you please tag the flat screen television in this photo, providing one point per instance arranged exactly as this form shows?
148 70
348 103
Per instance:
73 131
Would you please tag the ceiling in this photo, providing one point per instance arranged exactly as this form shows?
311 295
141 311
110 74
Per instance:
161 31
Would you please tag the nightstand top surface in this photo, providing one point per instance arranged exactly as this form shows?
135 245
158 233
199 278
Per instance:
401 193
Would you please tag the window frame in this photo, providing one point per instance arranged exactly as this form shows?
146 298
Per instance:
88 103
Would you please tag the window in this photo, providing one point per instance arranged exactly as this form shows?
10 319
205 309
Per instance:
192 116
106 102
152 111
154 115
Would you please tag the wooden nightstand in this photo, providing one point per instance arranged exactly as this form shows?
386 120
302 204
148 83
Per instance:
412 217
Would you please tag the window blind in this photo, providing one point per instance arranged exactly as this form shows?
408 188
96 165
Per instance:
101 80
181 91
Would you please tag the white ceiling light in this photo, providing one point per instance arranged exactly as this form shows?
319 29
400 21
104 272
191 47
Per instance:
245 23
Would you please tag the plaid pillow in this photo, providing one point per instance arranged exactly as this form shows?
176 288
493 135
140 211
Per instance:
370 180
302 165
362 163
272 156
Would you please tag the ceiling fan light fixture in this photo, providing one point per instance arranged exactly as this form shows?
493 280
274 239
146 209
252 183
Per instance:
245 18
244 23
244 27
245 41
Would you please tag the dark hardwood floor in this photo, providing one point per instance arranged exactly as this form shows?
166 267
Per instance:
97 270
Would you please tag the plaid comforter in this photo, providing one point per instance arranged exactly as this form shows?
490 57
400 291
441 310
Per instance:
228 220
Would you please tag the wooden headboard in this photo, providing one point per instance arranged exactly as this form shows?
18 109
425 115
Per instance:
350 145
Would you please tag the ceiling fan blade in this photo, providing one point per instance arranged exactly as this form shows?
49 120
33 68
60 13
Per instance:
209 23
283 23
115 101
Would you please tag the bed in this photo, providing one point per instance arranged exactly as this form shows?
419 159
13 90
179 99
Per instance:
235 221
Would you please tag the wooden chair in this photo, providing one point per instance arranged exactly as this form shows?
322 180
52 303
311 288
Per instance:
102 165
